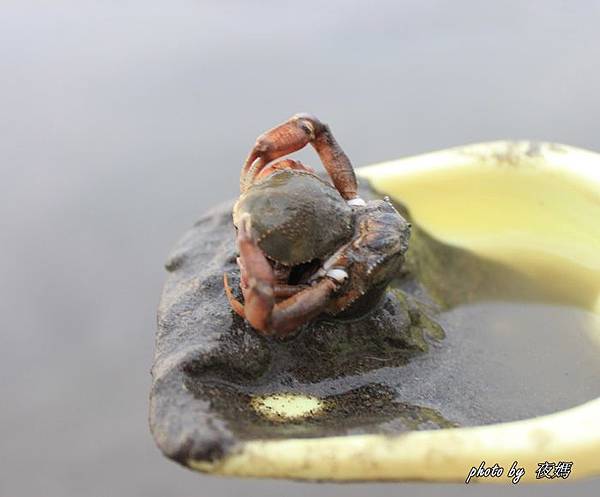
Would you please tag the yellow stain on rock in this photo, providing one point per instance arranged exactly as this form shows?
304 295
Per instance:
287 406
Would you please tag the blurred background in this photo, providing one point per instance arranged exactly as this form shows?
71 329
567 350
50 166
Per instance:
122 121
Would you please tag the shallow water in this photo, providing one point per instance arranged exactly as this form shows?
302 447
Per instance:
504 361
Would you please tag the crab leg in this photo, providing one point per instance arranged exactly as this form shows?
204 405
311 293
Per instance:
301 308
286 291
260 308
293 135
279 291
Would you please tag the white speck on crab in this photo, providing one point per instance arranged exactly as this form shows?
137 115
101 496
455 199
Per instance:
356 202
338 275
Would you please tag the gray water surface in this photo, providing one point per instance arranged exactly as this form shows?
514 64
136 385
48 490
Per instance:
121 122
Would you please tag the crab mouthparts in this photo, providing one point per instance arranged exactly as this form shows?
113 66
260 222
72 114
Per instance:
303 273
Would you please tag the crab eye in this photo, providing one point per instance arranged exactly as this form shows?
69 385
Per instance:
381 242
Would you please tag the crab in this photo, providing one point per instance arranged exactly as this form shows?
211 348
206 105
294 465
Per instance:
307 247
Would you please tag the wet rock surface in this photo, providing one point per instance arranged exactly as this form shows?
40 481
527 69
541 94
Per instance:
372 408
209 362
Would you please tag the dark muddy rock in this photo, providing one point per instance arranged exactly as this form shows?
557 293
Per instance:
205 354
